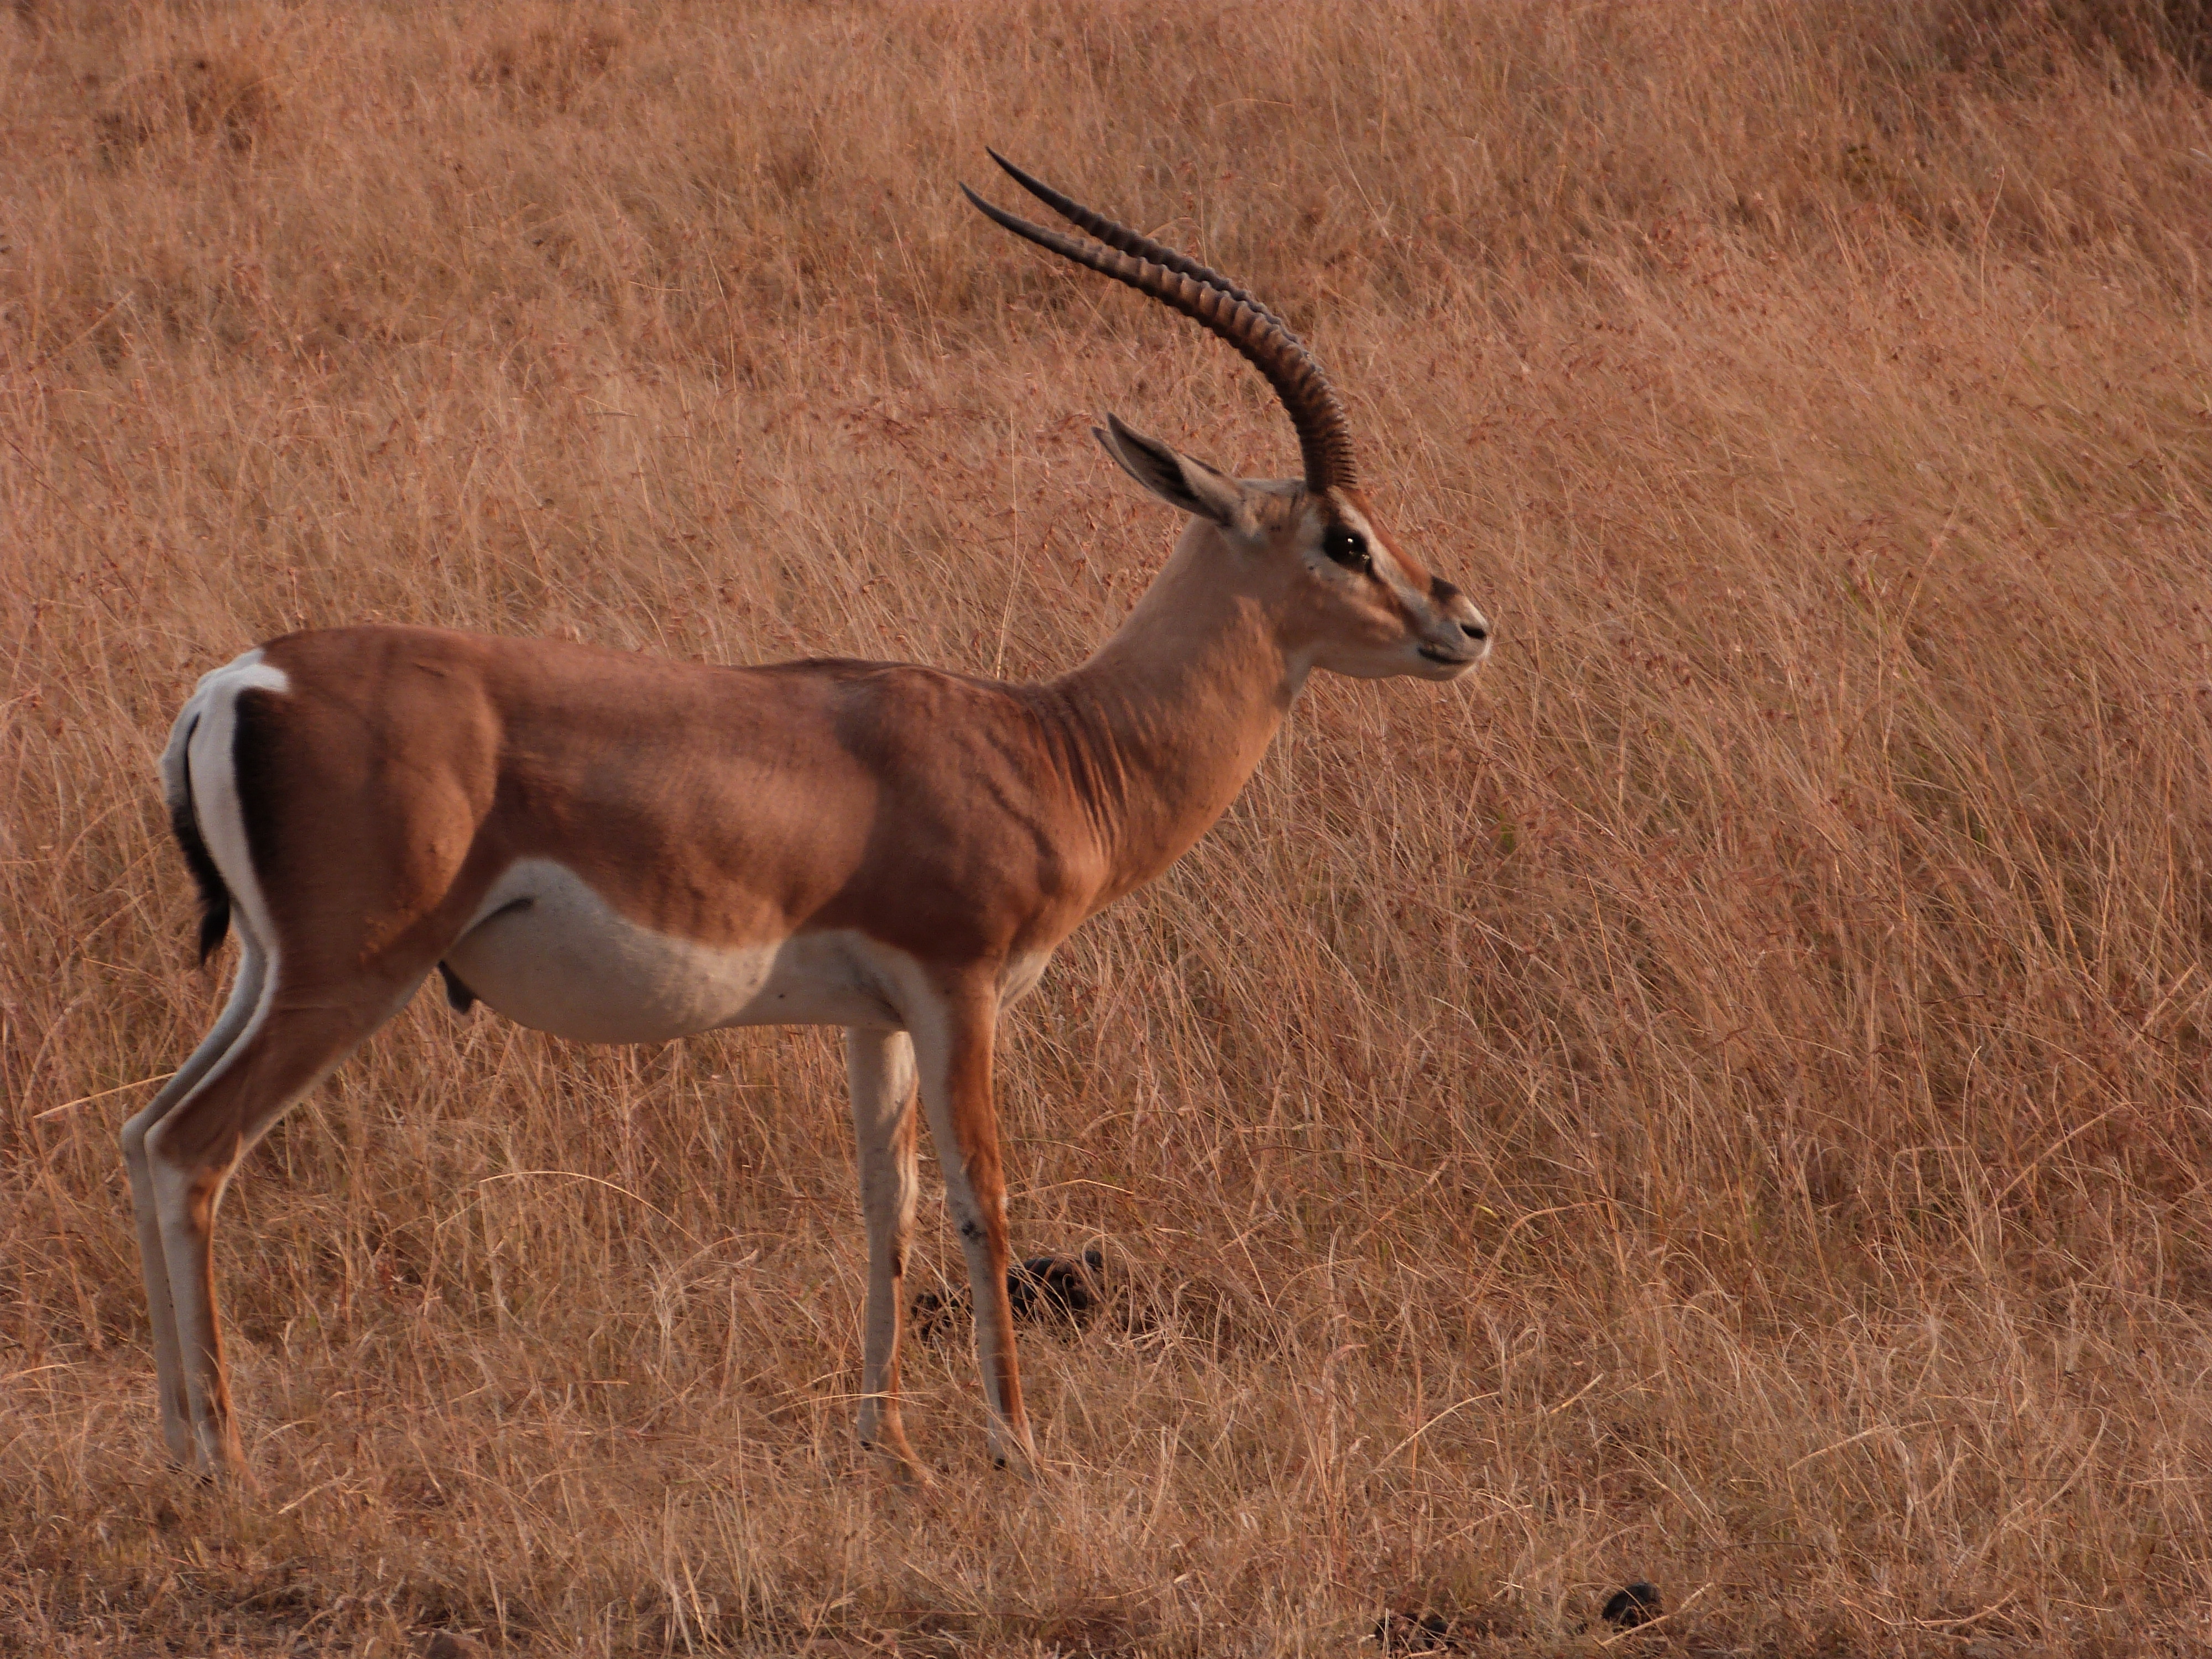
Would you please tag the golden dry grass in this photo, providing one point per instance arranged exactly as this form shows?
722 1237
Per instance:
1723 1098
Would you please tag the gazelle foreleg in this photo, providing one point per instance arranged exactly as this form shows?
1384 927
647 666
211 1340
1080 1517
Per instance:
153 1263
952 1049
879 1065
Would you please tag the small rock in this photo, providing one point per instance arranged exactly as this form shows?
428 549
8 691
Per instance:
933 1312
1638 1604
1058 1288
1409 1633
451 1644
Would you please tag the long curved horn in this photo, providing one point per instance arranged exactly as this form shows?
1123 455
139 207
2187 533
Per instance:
1115 234
1324 441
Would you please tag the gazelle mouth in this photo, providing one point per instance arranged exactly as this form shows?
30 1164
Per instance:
1436 654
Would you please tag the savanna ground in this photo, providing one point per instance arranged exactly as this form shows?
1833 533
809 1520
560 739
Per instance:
1720 1097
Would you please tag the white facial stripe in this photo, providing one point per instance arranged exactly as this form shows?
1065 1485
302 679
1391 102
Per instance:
1387 565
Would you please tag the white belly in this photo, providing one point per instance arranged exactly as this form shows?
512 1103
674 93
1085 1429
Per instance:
549 953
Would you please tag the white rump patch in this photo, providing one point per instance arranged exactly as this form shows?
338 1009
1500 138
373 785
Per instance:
223 684
207 732
198 764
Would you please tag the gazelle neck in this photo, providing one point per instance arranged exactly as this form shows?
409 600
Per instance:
1170 715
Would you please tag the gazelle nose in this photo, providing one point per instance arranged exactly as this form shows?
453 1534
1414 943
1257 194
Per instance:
1474 630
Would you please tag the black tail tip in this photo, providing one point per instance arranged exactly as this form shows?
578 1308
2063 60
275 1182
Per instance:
215 922
215 897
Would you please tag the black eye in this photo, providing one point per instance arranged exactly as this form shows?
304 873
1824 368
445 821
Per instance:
1348 548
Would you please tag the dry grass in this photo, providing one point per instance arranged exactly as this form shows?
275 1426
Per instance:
1722 1100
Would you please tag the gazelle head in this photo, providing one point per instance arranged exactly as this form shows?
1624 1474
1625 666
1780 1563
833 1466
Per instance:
1343 594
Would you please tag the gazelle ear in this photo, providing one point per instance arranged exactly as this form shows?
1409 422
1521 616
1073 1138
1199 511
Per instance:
1175 477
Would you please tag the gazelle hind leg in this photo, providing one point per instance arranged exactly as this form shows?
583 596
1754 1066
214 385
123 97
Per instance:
168 1360
952 1049
880 1067
295 1037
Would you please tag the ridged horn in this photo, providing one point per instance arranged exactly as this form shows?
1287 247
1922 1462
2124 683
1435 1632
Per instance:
1211 300
1115 234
